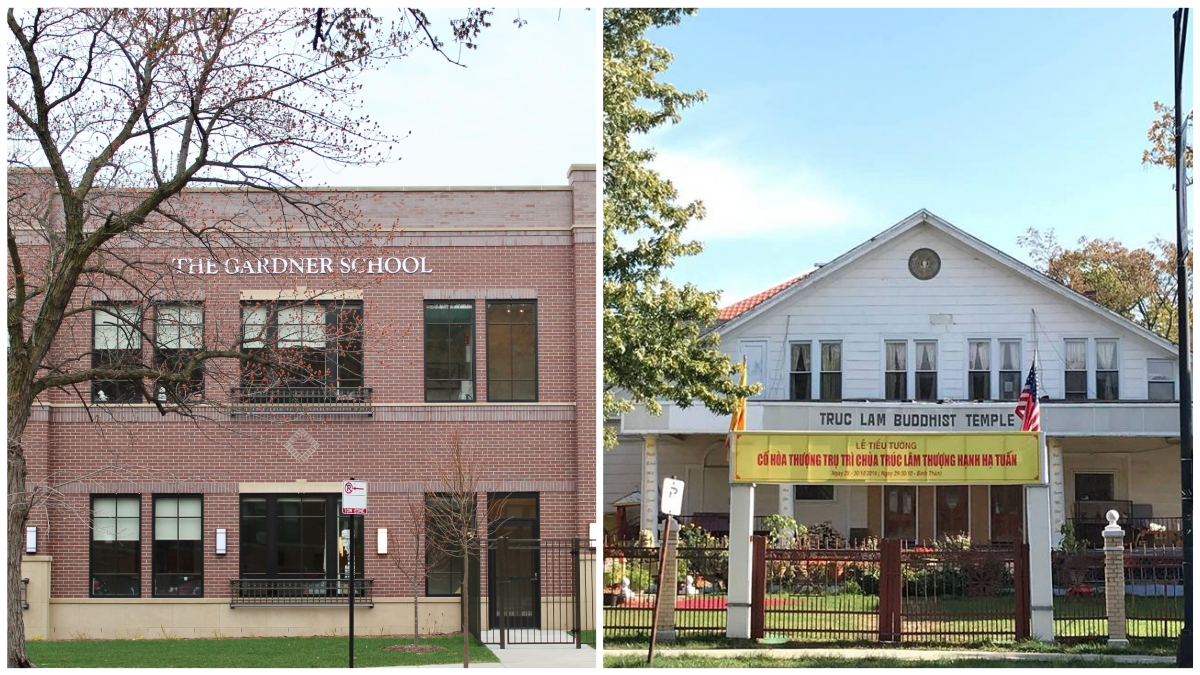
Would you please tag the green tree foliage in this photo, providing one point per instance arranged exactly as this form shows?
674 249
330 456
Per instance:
655 346
1139 284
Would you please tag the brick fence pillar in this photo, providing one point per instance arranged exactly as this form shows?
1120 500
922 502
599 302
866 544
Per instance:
668 585
1114 580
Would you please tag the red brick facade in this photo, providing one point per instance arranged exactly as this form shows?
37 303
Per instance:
490 243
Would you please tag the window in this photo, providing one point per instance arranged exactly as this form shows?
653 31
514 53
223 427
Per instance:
1007 513
1092 487
1107 375
813 493
979 370
1076 370
801 372
896 375
926 370
315 351
1161 379
1010 370
512 351
831 371
297 536
900 512
953 510
178 553
116 552
444 564
116 344
449 351
178 335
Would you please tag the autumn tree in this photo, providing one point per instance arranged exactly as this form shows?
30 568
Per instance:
115 118
655 340
1139 283
1161 137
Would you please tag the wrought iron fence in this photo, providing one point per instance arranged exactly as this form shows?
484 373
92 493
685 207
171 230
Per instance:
819 594
1154 593
1079 605
539 591
299 592
630 576
310 400
963 595
1140 532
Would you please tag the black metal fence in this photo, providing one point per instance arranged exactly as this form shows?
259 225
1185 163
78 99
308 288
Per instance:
309 400
299 592
540 591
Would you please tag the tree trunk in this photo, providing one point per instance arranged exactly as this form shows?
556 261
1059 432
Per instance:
18 515
416 626
466 593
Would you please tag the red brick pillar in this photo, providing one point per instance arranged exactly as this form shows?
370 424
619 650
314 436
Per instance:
587 441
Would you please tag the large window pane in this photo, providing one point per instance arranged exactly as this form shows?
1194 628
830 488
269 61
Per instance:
512 351
449 351
896 375
831 371
1107 375
115 546
801 371
979 370
1075 369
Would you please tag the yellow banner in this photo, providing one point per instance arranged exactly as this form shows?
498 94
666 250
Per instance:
1009 458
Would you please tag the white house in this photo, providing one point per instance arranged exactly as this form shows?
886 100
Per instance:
927 328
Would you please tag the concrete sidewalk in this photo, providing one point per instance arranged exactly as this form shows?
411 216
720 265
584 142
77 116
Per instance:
908 654
531 656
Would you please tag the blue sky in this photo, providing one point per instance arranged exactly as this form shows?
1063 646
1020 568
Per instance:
523 110
825 127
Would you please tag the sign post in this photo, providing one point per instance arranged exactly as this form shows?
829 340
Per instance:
354 502
672 505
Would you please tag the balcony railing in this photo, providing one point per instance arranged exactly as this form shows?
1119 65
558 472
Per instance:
299 592
310 400
1140 532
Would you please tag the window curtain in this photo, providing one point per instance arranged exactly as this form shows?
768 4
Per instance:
1106 355
1076 356
980 355
1010 355
896 356
926 356
801 359
831 357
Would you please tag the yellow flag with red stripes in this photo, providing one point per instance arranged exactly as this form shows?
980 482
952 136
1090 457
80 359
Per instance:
738 422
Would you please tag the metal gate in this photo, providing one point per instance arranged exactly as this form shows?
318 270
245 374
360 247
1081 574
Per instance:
539 591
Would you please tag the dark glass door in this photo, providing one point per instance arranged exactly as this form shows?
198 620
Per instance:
514 583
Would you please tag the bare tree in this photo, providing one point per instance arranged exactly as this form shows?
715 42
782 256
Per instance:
410 558
452 526
116 118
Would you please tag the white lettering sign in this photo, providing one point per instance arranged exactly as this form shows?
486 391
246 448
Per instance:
238 266
354 497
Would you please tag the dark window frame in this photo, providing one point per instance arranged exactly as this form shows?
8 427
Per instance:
174 358
154 549
798 488
92 543
536 353
451 562
333 524
474 366
127 391
340 355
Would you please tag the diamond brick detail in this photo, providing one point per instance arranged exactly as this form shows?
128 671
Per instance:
301 445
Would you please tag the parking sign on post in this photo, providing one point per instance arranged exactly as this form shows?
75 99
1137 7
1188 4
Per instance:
354 498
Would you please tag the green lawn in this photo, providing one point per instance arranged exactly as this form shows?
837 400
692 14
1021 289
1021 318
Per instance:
1152 647
829 662
290 652
588 637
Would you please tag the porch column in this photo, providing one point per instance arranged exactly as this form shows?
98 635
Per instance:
1041 589
650 485
741 529
787 505
1058 494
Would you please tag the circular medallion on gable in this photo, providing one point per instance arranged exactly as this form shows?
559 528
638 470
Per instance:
924 264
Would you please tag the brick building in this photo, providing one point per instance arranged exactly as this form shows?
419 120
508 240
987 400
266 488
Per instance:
474 313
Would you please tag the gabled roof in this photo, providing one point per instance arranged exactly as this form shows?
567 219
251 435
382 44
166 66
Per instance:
747 309
737 308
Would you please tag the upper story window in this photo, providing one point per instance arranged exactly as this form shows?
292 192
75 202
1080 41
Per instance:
115 555
512 351
926 366
1107 373
1075 367
116 344
449 351
315 350
831 371
801 371
178 335
1160 375
979 370
1010 370
895 379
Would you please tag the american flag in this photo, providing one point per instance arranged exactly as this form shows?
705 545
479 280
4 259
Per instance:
1027 406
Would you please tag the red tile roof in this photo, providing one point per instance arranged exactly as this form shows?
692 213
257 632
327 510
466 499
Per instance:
738 308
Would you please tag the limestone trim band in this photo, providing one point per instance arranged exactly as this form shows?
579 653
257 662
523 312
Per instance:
300 487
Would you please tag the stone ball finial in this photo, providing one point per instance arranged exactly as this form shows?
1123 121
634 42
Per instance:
1113 516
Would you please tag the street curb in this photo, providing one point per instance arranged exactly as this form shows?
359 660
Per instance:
906 654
